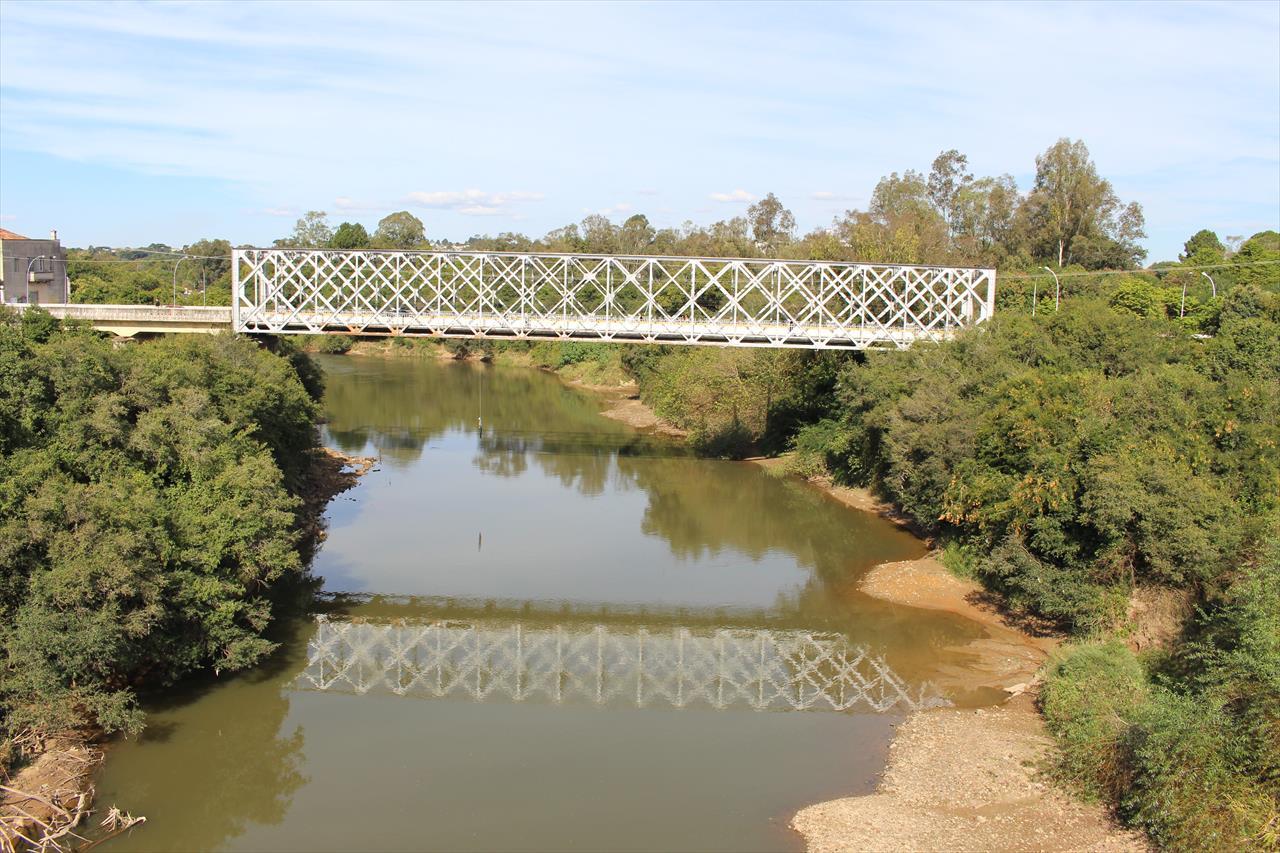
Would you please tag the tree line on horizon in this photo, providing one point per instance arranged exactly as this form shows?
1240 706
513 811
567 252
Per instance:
1070 219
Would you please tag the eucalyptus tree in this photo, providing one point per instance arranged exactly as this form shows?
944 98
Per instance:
312 230
772 225
399 230
1070 201
948 178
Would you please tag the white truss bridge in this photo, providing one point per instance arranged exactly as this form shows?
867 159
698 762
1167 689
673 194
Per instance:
670 667
674 300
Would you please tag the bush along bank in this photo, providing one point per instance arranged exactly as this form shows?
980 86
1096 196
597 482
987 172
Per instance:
1074 463
1080 463
149 504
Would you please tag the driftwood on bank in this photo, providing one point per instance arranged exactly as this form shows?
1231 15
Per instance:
47 801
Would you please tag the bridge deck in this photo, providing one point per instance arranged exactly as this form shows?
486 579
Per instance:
589 327
129 320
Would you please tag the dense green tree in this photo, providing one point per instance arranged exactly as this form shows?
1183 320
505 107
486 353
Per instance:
400 230
1203 248
599 235
349 235
983 220
145 511
636 235
1261 255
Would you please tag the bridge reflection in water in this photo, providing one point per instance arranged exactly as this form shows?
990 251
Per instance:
678 667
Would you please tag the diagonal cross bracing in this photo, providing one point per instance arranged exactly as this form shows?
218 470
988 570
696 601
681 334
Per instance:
664 667
712 301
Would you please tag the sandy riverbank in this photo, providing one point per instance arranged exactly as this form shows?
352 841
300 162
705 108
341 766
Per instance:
633 412
963 778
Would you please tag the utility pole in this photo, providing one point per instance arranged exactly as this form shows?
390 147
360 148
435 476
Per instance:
1212 284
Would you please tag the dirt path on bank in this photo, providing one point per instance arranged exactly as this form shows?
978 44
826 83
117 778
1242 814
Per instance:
633 412
963 779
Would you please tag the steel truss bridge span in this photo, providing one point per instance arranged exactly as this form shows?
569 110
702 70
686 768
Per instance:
678 667
674 300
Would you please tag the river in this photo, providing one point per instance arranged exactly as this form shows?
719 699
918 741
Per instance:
539 629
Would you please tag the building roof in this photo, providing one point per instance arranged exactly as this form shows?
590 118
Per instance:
9 235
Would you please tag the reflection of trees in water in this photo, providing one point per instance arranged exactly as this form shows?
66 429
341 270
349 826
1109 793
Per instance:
399 406
700 508
249 778
583 461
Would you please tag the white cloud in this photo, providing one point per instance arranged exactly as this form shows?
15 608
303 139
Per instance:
350 205
471 202
737 196
7 217
277 211
827 195
118 103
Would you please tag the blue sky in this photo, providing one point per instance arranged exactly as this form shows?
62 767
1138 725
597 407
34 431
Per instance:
129 123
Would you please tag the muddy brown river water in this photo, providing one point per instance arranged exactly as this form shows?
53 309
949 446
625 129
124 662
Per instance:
541 630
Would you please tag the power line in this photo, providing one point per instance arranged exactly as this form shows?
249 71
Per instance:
1151 271
171 255
1136 272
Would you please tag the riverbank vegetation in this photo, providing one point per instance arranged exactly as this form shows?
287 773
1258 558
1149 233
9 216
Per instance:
149 498
1104 455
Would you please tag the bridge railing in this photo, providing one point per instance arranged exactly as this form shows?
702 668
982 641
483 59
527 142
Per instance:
683 300
139 313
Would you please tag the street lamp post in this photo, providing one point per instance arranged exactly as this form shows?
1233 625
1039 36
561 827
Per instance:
27 299
1212 284
175 281
1057 288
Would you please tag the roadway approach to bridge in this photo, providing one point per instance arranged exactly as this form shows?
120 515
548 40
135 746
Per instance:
738 302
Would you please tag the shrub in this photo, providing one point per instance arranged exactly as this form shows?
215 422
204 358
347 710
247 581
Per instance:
334 344
1090 695
1190 786
145 510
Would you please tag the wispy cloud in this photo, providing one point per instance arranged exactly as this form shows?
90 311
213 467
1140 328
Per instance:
615 209
737 196
471 202
312 102
344 204
828 195
278 211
